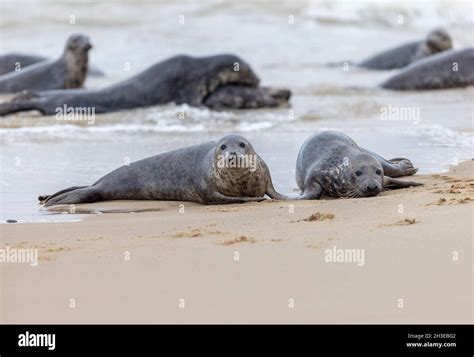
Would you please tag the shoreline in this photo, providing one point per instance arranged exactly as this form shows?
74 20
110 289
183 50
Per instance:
137 267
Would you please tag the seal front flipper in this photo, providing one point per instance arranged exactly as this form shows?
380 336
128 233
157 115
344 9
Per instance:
272 193
393 184
219 198
312 189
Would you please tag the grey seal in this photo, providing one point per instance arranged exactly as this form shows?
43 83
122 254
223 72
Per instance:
228 171
449 69
12 62
220 81
331 163
69 71
437 41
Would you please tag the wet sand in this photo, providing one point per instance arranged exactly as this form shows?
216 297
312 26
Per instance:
41 154
259 262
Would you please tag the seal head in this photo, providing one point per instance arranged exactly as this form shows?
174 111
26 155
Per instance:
237 168
439 40
78 43
366 176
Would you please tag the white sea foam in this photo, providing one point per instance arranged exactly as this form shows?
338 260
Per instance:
418 14
437 135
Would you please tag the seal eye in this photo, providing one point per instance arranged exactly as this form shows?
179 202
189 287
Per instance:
223 147
242 145
378 172
358 173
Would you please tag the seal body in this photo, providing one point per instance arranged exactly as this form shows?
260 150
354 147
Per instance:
445 70
437 41
12 62
69 71
331 163
228 171
221 81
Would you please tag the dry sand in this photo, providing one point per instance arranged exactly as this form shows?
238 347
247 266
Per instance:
417 246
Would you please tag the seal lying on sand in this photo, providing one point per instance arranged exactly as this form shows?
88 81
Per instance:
331 163
222 81
437 41
69 71
12 62
445 70
228 171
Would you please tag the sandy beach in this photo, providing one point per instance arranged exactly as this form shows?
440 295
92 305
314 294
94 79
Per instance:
404 256
172 262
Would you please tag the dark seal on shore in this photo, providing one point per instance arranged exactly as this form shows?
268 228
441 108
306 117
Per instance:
228 171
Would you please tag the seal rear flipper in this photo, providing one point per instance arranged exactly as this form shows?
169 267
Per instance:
393 184
404 167
26 100
45 198
82 195
396 167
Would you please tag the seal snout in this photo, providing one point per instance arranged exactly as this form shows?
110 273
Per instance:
372 189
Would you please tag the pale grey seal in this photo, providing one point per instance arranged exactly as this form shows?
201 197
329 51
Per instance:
331 163
221 81
445 70
228 171
437 41
69 71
